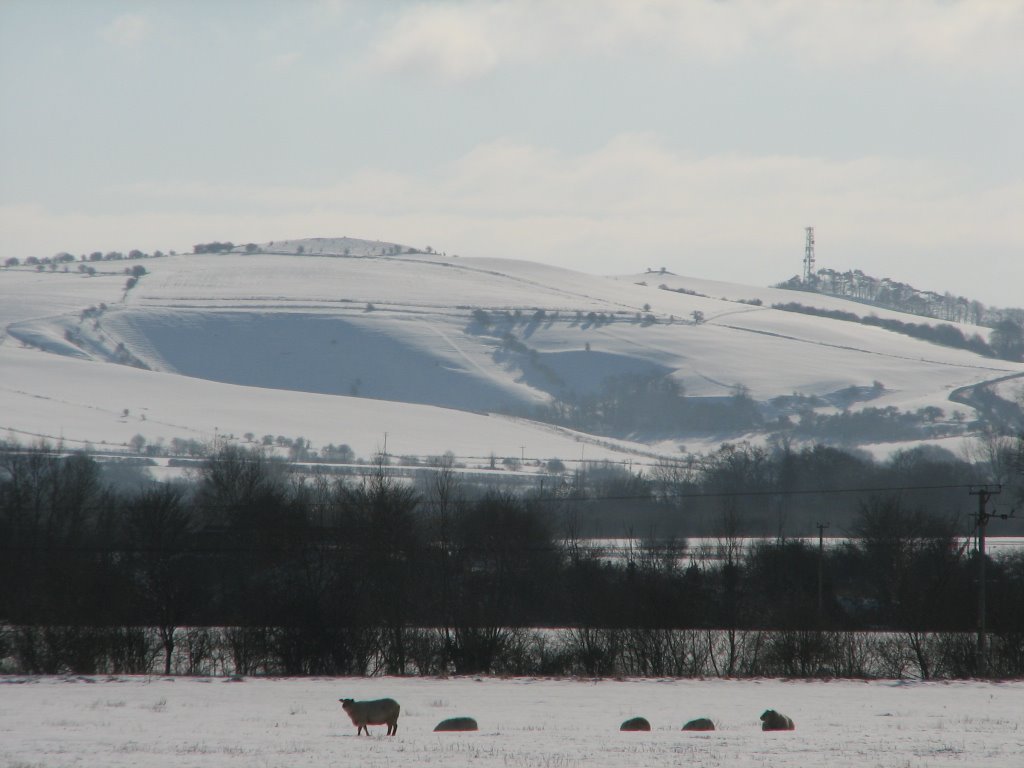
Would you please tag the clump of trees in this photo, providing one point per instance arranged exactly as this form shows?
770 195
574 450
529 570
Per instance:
214 247
650 405
250 568
889 293
945 334
64 258
871 424
1007 341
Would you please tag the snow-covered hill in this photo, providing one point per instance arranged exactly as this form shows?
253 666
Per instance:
342 341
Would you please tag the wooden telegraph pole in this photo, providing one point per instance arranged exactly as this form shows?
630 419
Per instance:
821 570
983 494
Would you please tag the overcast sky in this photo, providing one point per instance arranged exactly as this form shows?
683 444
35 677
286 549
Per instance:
606 136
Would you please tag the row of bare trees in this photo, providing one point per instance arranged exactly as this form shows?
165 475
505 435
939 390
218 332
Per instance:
301 575
566 651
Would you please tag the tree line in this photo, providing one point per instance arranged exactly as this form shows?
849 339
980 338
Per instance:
1007 339
255 569
903 297
649 404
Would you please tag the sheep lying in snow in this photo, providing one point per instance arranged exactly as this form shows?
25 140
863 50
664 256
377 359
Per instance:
775 721
700 724
457 724
376 712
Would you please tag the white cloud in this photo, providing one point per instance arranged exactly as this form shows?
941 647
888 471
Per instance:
449 42
466 40
127 30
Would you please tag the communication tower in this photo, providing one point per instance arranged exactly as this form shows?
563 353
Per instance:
809 275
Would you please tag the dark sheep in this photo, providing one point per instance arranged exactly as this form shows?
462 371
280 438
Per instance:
457 724
635 724
375 712
776 721
700 724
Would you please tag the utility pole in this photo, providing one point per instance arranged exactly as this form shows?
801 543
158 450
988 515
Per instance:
821 569
983 494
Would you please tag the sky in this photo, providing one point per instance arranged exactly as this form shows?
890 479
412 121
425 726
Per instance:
607 136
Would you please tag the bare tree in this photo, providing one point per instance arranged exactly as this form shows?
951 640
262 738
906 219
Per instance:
160 528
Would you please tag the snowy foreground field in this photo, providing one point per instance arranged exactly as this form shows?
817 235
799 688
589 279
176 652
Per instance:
128 721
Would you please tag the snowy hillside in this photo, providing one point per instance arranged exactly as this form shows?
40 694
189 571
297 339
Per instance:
340 340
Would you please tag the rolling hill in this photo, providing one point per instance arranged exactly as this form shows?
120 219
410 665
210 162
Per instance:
375 345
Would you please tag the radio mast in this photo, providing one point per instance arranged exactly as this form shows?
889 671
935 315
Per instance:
809 276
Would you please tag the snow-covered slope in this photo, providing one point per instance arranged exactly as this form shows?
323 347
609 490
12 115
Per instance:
334 342
78 402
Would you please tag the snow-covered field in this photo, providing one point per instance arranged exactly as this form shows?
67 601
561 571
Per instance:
533 723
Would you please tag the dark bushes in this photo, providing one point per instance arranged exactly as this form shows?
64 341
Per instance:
253 571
